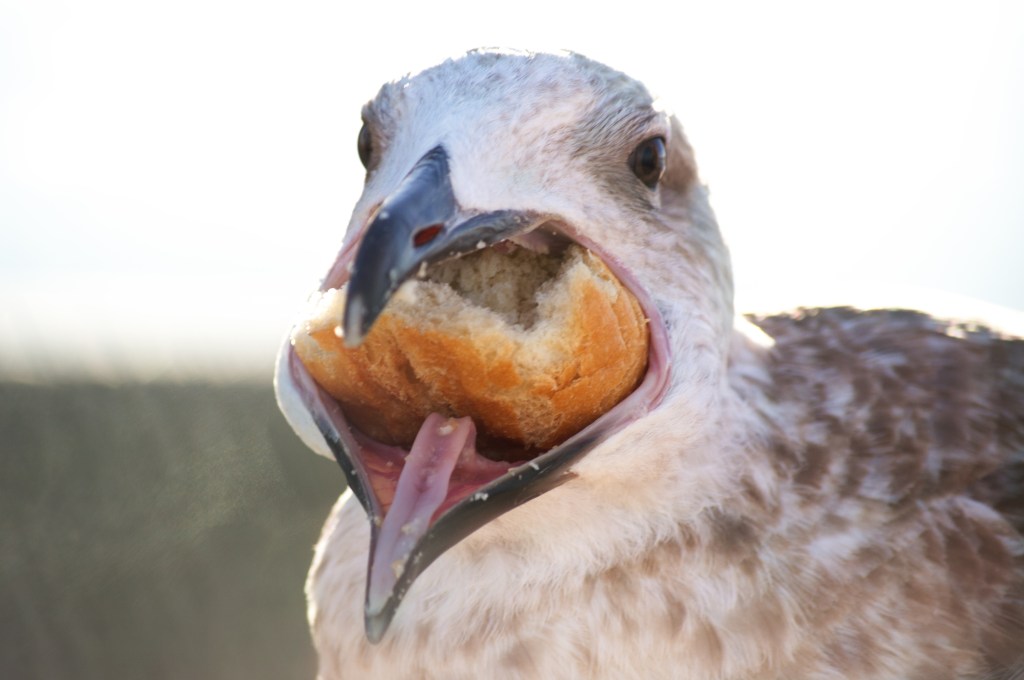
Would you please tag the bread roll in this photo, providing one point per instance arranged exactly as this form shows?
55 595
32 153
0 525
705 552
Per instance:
533 347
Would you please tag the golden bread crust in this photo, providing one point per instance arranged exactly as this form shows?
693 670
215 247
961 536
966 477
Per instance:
532 387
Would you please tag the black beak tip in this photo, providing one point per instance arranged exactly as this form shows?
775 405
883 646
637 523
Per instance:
354 323
376 625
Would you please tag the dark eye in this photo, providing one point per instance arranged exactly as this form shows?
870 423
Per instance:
365 145
648 161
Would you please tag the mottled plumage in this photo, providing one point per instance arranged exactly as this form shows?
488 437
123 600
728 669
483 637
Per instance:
826 494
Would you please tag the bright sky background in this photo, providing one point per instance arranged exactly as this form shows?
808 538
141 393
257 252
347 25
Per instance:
174 177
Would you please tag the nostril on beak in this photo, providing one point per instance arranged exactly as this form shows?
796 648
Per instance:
426 235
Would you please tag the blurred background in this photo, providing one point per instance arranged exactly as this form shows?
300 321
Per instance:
174 178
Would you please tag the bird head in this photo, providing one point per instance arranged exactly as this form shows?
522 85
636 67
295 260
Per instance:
540 150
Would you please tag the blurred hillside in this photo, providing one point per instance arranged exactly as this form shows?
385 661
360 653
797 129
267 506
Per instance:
155 531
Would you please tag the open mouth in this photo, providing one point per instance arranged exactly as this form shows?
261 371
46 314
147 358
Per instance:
511 304
433 469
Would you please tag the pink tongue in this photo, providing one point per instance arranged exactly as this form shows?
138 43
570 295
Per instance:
422 487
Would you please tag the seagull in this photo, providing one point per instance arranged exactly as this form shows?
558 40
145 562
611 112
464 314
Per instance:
825 493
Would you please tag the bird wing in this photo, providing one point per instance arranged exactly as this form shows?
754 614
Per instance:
911 429
919 407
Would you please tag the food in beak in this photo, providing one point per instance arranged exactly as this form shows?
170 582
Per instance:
532 346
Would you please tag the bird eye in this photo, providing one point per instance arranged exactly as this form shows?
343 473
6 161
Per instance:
365 146
648 161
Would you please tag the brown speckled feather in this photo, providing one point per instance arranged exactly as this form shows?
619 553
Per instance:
910 431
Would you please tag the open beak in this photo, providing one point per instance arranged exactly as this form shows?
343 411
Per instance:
443 489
